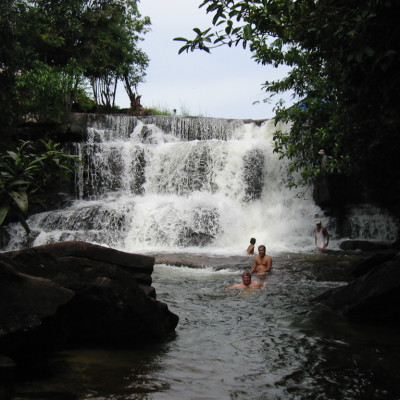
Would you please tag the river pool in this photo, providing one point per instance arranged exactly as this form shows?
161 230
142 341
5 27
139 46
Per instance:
271 343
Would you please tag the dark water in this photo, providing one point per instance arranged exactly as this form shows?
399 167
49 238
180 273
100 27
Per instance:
232 344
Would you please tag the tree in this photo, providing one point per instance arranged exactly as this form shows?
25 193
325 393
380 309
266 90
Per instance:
344 58
47 92
68 40
132 75
113 31
12 55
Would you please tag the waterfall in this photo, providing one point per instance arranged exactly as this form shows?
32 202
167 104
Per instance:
154 184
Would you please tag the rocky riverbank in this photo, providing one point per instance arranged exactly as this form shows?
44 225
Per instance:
373 295
75 293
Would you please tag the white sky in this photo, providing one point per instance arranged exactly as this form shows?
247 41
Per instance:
223 84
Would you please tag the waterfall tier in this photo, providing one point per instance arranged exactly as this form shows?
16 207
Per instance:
199 184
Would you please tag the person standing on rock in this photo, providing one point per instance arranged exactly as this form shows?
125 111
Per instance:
321 236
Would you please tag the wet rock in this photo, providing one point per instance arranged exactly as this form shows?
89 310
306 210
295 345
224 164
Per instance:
7 370
364 245
364 266
253 175
26 302
204 261
372 297
203 231
77 293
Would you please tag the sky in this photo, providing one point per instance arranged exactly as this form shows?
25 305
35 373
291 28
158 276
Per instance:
223 84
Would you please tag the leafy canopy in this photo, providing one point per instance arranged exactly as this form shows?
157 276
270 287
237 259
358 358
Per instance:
344 58
62 44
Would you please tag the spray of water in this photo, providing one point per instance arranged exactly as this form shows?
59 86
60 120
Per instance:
183 184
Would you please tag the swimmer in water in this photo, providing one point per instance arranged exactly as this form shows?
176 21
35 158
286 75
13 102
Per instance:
262 262
250 249
247 283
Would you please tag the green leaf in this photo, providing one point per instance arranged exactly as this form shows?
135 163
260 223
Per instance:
183 48
275 19
21 199
247 32
19 182
180 39
3 214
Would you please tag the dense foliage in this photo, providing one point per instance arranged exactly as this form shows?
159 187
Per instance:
50 48
30 171
344 59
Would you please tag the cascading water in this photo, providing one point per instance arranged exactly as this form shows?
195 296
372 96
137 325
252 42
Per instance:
172 183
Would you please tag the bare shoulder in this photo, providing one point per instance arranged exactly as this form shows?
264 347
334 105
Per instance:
238 286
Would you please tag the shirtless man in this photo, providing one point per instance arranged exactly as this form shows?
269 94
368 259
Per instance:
321 236
250 249
247 283
262 262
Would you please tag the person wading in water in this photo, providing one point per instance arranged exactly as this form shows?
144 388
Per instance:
321 236
262 262
250 249
247 283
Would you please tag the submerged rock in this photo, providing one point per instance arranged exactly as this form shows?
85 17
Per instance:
75 293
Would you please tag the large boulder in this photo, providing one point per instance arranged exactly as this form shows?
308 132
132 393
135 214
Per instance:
366 265
77 293
69 261
373 296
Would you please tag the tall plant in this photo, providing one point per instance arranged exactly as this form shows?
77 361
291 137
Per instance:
27 172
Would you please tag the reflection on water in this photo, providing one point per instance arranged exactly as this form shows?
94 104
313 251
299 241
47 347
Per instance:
270 343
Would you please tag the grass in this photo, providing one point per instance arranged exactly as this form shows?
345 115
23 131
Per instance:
164 110
161 110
